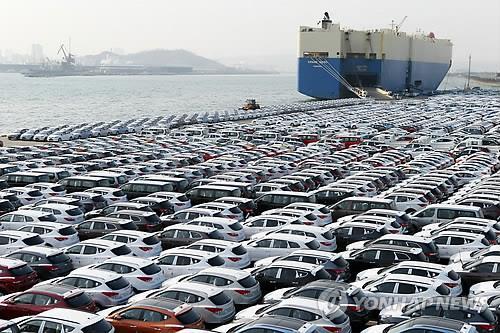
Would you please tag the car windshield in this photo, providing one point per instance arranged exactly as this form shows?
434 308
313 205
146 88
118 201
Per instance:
121 250
79 300
21 270
102 326
116 284
58 258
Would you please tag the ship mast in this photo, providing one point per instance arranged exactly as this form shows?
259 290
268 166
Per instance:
468 75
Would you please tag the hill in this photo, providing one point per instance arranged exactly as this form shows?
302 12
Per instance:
154 58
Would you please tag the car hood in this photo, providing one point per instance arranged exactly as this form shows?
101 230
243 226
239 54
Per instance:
265 261
275 296
394 310
249 313
367 274
461 257
376 328
356 245
483 287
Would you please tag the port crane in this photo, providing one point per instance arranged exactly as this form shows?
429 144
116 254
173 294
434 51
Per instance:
69 59
397 27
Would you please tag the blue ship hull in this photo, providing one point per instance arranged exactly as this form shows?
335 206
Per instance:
392 75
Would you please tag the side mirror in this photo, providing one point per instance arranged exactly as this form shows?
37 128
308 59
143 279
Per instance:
415 314
373 289
117 317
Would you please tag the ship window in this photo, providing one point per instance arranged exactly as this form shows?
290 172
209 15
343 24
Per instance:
383 55
316 54
418 83
373 56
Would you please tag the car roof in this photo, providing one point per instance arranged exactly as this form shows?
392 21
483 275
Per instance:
135 233
47 251
217 242
11 263
137 261
17 233
414 279
95 273
193 287
72 316
58 206
190 227
101 242
188 252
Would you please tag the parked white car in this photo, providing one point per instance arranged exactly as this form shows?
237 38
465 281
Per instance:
94 251
57 235
143 274
179 261
143 244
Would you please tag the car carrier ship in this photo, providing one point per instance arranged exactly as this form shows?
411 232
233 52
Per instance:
340 63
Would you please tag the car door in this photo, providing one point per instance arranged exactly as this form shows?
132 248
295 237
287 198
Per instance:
482 272
129 321
31 326
260 249
278 247
84 230
98 229
268 278
21 305
366 259
167 265
74 252
382 293
88 255
442 243
152 321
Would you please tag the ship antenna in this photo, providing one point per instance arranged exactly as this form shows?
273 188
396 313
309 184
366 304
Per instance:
468 75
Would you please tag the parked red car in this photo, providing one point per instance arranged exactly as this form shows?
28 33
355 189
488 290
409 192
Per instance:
15 276
45 297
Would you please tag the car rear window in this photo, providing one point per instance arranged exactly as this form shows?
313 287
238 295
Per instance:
129 226
153 218
67 231
117 284
35 240
323 274
48 218
216 261
57 188
215 235
78 300
341 262
443 290
236 226
74 212
220 299
182 198
151 269
35 193
58 258
239 250
151 240
6 205
102 326
337 317
324 210
188 317
121 250
248 282
21 270
328 235
313 245
453 275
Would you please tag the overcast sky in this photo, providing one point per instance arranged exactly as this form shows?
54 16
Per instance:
229 29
